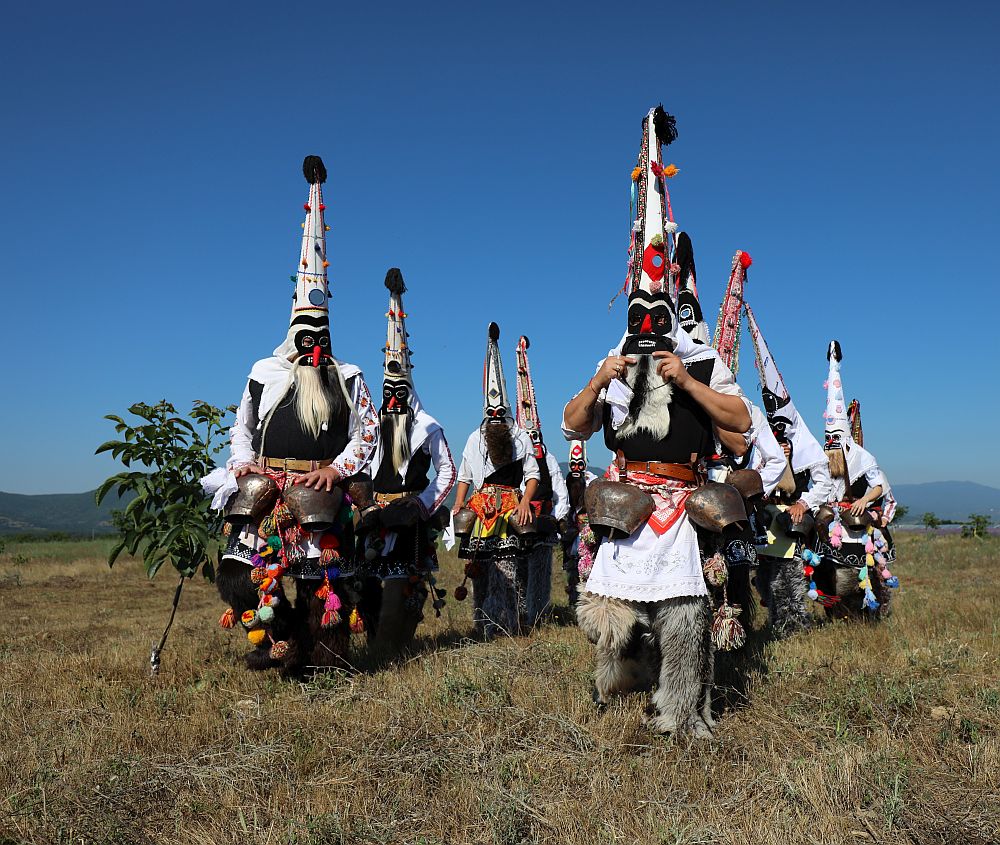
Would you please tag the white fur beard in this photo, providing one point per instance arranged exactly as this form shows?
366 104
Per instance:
838 462
313 405
654 415
399 443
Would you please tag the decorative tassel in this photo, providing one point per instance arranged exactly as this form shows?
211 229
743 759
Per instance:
837 534
323 591
461 592
279 650
332 601
671 170
330 619
356 623
727 632
228 619
283 516
870 602
636 173
716 571
268 526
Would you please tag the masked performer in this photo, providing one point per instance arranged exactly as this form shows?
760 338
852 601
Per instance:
656 397
551 499
578 541
497 524
400 543
856 547
785 564
305 425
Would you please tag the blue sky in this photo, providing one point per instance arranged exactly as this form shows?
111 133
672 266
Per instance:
152 198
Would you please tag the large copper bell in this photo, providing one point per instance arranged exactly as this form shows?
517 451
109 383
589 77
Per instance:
314 510
617 510
824 517
400 514
715 506
862 520
465 519
253 501
800 530
361 490
529 528
747 481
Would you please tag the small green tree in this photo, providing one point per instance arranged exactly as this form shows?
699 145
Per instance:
930 521
978 526
169 520
900 514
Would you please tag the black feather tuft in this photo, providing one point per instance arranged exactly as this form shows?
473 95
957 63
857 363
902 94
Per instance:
834 350
665 126
494 332
394 281
525 341
684 258
314 170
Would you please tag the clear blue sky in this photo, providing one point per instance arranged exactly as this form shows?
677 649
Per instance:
152 198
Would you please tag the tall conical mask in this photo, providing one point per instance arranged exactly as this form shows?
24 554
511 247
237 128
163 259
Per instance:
689 312
778 405
496 405
397 386
527 405
652 321
578 457
838 426
728 325
309 330
854 415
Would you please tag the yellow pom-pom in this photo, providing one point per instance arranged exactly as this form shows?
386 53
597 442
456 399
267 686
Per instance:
256 636
670 171
636 173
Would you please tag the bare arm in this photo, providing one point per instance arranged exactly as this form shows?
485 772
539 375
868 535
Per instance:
735 443
463 491
523 513
729 413
579 413
859 505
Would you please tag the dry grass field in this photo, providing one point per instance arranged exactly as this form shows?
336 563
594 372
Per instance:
848 734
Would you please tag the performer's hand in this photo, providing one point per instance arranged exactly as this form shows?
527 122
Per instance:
858 507
670 368
614 366
787 449
523 513
458 506
247 469
797 511
320 479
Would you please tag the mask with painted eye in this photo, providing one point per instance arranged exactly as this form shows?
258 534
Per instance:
496 413
650 322
307 341
780 426
395 397
688 311
536 442
833 440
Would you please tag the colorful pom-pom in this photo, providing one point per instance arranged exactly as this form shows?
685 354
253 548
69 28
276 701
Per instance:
265 615
248 618
671 170
322 592
258 574
636 173
279 650
715 570
332 601
256 636
892 581
745 260
274 542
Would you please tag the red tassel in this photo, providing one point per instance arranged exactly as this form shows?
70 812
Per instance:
745 260
228 619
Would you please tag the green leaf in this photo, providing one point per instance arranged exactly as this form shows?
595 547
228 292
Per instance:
108 445
115 551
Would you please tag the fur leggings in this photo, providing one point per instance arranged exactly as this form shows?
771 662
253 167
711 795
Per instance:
666 643
500 597
539 589
785 590
299 625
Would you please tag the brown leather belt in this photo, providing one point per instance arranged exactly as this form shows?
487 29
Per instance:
293 464
677 472
385 498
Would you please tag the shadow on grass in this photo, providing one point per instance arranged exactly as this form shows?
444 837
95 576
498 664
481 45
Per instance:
736 671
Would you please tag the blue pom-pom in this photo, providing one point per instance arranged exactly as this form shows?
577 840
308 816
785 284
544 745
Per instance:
892 582
813 595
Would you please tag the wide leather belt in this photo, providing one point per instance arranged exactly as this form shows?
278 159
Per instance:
677 472
293 464
385 498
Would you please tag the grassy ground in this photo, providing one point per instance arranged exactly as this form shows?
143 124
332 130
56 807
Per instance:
848 734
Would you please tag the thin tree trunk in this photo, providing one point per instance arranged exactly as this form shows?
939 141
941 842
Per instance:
154 654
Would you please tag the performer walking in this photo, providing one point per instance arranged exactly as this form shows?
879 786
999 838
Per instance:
497 524
783 576
856 548
305 426
578 541
400 540
656 397
551 498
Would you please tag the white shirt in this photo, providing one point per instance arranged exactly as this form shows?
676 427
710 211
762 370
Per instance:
476 463
560 494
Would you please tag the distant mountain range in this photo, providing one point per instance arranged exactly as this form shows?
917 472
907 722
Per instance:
76 513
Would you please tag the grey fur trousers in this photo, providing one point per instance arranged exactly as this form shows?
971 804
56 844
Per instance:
539 592
500 597
787 594
666 643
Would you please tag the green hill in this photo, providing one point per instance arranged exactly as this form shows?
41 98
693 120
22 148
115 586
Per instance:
72 513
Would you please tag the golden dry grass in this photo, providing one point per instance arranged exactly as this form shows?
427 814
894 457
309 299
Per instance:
852 733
